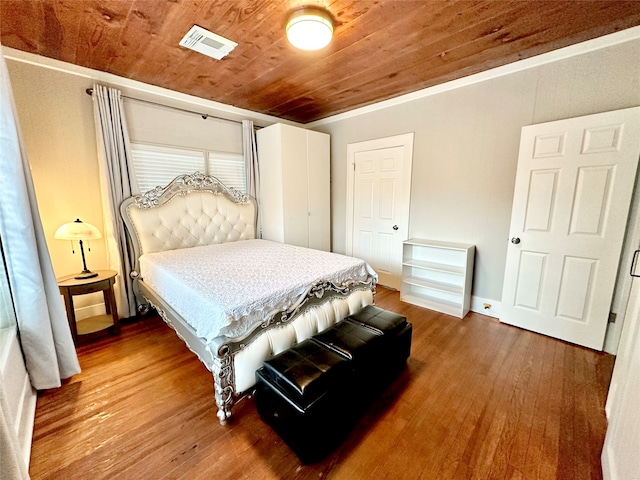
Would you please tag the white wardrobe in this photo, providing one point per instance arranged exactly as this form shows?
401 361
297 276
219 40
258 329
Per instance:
294 186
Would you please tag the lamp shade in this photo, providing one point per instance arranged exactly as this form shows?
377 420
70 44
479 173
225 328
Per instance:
77 230
309 28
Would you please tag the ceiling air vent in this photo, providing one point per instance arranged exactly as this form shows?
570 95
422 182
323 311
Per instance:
207 43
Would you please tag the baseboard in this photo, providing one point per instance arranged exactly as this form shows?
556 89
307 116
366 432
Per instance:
485 306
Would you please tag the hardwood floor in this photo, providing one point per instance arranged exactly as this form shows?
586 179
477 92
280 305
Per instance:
478 399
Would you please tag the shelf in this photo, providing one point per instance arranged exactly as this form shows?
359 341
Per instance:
420 282
439 244
438 275
438 267
444 306
94 324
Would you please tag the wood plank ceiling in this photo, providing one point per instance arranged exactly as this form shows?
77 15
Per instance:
381 49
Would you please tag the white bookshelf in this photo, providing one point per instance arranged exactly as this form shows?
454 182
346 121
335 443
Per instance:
437 275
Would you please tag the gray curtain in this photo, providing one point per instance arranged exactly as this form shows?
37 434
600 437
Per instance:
252 170
44 332
117 182
42 322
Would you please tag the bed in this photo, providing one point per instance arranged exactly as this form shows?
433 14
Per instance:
234 299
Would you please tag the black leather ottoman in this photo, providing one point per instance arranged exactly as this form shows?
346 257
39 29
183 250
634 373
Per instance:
396 338
313 393
301 394
354 341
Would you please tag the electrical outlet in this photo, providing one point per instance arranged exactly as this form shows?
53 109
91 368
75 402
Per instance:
486 307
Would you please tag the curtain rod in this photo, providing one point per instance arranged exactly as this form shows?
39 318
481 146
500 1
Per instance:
89 92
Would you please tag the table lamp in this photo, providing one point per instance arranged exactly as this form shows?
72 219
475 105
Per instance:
79 231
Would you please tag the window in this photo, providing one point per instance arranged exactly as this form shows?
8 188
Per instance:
158 164
229 168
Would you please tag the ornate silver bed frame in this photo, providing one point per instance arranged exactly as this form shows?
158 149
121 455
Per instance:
223 356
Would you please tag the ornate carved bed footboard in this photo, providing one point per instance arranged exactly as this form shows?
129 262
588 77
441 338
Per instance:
234 361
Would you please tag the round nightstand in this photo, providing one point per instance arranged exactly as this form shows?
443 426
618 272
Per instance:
104 282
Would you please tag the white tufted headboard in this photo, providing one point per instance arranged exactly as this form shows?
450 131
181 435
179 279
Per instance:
192 210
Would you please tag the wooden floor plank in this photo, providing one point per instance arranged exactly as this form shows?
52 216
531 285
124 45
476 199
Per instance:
478 399
514 407
551 462
461 400
456 464
523 440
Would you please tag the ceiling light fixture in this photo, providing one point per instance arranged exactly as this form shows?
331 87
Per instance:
310 28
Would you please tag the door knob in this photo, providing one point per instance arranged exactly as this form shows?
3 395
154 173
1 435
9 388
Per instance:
515 240
395 227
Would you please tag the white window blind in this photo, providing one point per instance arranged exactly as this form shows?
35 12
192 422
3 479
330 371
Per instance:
158 164
228 168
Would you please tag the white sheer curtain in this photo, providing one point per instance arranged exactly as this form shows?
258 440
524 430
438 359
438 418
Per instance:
117 181
252 170
42 322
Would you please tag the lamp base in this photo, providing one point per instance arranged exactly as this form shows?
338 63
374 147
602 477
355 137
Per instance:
87 274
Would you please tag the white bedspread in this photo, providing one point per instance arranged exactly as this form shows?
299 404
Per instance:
226 289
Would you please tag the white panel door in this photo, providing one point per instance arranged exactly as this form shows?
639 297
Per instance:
621 451
377 238
572 195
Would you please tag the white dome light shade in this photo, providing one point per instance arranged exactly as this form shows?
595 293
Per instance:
77 231
309 29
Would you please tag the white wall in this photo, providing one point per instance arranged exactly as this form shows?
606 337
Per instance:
466 146
56 122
